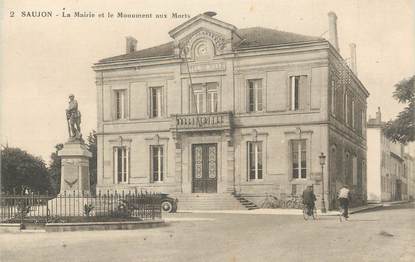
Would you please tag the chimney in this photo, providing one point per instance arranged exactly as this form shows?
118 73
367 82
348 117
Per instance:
378 116
210 13
353 64
131 44
333 39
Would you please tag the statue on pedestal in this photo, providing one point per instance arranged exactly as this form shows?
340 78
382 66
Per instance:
73 117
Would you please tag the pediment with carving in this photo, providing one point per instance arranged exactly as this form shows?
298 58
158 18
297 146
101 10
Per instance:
202 44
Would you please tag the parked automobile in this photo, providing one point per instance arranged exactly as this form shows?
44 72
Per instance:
168 204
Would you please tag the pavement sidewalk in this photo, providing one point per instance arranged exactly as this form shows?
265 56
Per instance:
279 211
393 203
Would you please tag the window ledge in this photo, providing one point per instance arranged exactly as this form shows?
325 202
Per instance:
257 182
299 180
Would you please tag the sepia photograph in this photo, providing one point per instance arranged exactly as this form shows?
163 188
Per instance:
191 130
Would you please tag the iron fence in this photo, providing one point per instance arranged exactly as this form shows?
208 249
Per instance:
77 206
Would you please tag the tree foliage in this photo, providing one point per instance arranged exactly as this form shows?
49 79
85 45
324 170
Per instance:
55 169
92 147
402 128
20 170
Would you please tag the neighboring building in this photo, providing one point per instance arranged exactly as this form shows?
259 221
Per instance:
387 179
409 171
251 117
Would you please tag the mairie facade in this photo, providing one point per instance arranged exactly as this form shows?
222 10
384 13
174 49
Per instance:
222 110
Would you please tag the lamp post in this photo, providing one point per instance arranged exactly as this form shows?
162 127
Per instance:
322 158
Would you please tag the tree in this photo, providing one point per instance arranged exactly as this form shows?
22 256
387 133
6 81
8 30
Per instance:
55 169
402 128
92 147
20 170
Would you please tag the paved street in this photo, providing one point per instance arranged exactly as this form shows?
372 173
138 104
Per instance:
386 234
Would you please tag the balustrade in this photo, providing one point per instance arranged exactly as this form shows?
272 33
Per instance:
208 121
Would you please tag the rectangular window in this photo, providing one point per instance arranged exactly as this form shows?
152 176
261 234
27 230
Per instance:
354 167
352 115
255 160
298 92
120 104
294 190
205 98
121 165
333 98
156 101
254 95
157 167
299 158
211 98
346 111
363 123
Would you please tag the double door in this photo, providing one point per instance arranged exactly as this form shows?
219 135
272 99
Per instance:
204 168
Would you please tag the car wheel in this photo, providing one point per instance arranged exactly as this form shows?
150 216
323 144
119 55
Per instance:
166 206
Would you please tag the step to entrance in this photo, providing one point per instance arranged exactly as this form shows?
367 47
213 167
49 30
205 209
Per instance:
208 202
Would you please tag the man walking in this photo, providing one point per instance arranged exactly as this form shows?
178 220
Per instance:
344 198
309 199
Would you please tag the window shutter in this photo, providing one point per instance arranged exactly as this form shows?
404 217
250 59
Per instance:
248 96
127 168
248 160
126 104
292 93
304 103
151 164
115 161
162 103
259 94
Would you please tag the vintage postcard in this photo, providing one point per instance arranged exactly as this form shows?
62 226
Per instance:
248 130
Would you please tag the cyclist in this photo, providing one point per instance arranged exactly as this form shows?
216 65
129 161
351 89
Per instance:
309 198
344 198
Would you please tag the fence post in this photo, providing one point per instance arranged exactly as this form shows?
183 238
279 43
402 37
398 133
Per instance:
21 211
153 207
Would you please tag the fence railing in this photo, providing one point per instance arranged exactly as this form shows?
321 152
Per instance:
68 206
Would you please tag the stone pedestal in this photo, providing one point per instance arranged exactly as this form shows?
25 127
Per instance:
75 168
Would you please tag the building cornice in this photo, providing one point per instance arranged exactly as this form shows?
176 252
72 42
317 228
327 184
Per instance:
245 52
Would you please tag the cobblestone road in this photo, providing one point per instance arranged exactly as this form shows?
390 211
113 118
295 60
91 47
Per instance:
386 234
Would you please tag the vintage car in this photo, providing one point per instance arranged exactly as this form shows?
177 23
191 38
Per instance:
168 204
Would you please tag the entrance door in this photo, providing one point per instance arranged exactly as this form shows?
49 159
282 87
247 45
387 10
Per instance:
398 195
204 168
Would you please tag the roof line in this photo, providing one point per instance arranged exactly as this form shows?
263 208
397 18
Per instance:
218 22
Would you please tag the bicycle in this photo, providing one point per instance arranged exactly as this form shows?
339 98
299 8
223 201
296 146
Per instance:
271 201
306 213
294 201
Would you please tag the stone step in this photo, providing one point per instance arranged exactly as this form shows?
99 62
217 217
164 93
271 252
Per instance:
208 202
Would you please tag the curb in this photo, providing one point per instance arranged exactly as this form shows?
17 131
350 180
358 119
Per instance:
91 226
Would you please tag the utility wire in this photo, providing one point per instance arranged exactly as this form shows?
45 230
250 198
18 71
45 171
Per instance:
191 85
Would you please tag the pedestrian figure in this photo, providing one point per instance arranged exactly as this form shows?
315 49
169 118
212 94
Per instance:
309 199
344 198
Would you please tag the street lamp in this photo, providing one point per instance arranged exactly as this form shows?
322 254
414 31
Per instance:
322 163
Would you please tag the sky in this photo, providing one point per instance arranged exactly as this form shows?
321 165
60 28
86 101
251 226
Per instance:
43 60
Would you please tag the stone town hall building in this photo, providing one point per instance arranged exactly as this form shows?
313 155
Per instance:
221 110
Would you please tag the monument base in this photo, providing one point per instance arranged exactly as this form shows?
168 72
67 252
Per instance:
75 168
